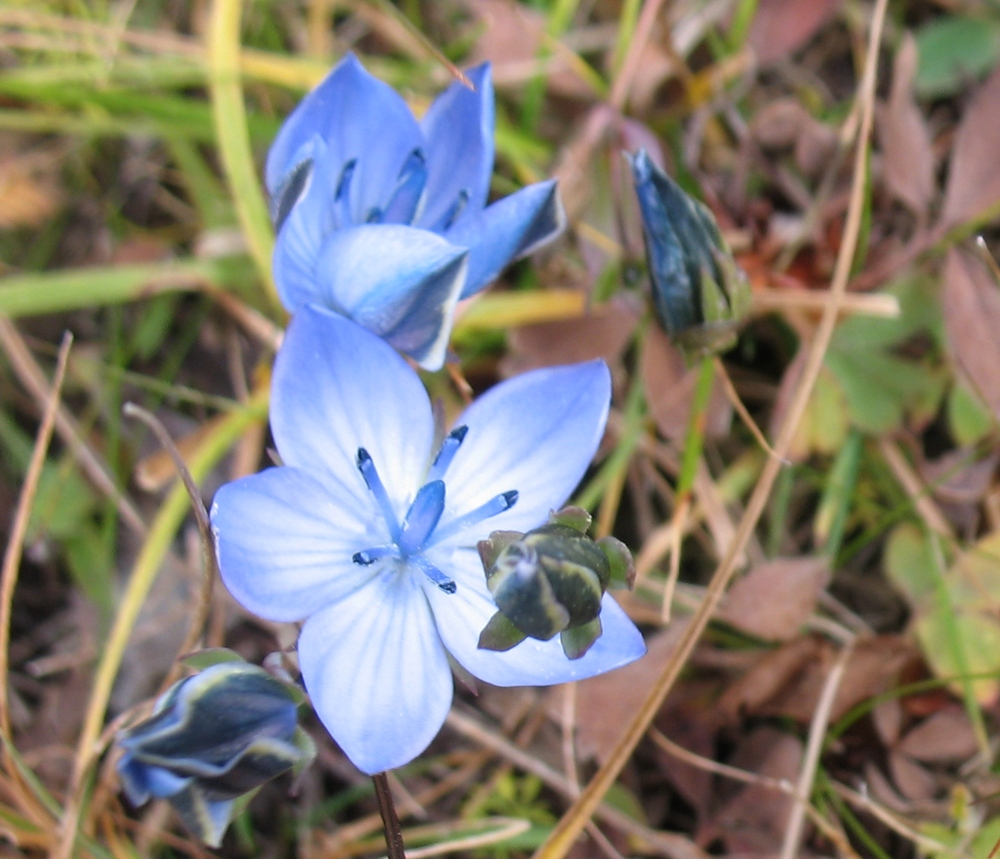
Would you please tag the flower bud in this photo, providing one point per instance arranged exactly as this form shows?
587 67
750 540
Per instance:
699 292
213 737
550 581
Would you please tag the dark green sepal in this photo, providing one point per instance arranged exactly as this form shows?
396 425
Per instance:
577 640
572 517
620 561
500 634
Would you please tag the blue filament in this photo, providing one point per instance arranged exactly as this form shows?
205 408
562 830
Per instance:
497 504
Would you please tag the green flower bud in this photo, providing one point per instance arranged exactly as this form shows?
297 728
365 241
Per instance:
550 582
699 292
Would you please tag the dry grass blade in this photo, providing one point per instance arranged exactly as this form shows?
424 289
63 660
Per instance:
30 375
210 565
573 822
810 763
15 546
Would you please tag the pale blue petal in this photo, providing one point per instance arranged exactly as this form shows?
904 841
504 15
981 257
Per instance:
459 128
358 116
377 673
462 615
399 282
300 239
285 541
337 388
535 433
506 230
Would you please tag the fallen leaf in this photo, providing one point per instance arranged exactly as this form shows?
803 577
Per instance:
974 176
754 821
609 701
781 27
776 597
913 781
908 162
971 304
602 333
789 681
945 737
511 39
669 386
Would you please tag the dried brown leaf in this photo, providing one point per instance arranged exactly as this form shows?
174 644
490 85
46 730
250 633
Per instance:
670 385
26 199
908 166
912 780
602 333
776 671
511 38
974 177
781 27
754 820
610 700
775 598
788 681
888 720
971 303
945 737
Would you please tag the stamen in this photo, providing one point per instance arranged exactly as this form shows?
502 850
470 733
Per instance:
406 199
449 447
435 575
342 196
452 212
293 188
422 517
370 556
497 504
374 483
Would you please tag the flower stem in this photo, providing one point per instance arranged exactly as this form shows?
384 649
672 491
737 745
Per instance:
390 820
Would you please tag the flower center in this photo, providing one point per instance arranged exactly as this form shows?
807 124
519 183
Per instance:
419 529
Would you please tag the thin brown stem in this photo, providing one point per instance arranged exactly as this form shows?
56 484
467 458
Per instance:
390 820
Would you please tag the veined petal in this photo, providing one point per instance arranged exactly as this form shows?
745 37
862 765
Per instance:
461 617
535 433
400 282
377 673
459 129
284 541
337 388
507 230
300 238
358 116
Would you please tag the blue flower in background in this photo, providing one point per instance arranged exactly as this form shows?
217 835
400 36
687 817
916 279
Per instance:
369 530
384 219
212 738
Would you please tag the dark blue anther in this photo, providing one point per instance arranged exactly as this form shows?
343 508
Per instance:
293 188
449 447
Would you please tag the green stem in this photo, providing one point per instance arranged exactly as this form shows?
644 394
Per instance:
694 440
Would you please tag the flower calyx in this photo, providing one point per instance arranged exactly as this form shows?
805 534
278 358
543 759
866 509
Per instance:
550 581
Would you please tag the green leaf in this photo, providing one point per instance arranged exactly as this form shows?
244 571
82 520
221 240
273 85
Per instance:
968 419
956 616
882 376
952 50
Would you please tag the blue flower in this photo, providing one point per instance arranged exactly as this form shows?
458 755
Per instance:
212 738
384 219
368 531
